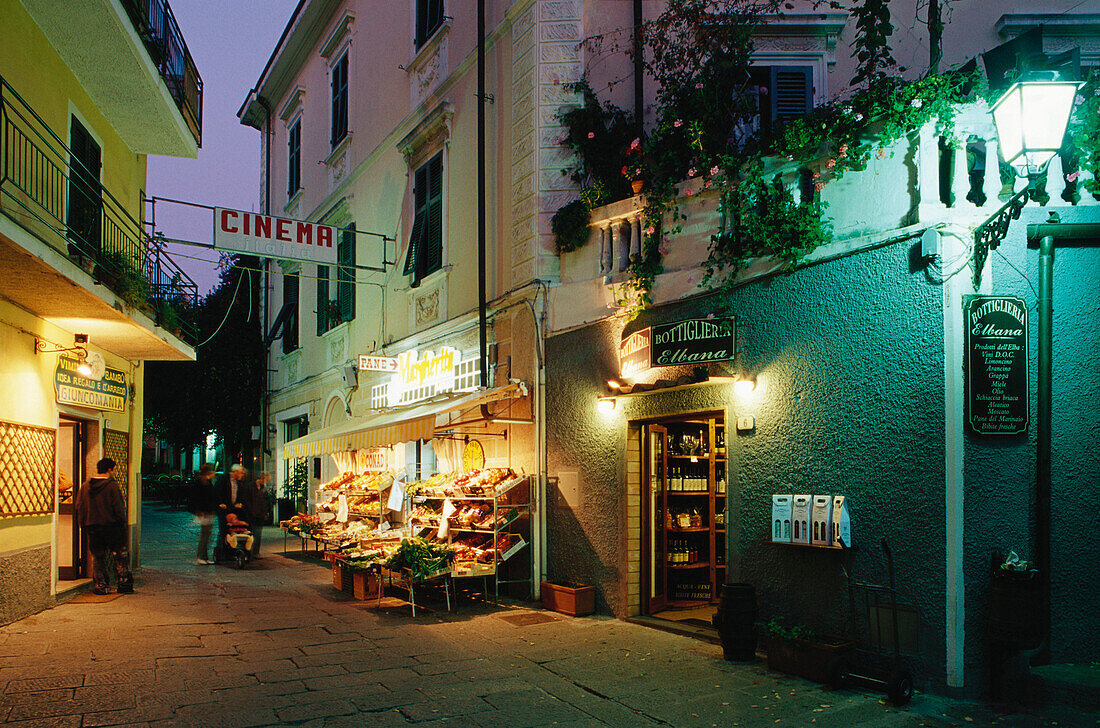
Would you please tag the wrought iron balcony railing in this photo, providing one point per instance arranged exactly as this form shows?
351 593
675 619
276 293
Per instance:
52 193
155 24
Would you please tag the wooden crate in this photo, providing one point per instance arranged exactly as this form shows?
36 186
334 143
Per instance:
364 585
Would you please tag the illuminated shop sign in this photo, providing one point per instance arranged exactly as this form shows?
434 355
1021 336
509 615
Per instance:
693 341
423 374
107 393
377 363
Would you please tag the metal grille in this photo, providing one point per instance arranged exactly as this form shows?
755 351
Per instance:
116 445
26 469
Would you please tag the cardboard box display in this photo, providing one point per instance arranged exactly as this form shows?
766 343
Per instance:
842 524
822 516
800 518
781 518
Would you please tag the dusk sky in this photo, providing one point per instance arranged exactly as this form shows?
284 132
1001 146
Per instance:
230 42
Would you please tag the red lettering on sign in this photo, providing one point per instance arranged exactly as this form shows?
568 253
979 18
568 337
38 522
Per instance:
247 223
282 230
305 233
263 227
324 237
226 215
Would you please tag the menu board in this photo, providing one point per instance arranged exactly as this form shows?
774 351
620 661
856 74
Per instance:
996 365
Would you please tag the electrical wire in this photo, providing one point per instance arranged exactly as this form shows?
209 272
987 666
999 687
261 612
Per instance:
1022 275
226 317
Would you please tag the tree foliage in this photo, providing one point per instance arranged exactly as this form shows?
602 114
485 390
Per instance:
221 391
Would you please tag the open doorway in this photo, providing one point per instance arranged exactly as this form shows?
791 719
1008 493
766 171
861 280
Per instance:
72 470
683 542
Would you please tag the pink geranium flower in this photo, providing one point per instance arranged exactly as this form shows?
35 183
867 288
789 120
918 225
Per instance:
591 135
678 123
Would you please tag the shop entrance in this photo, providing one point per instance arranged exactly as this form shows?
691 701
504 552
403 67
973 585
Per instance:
683 559
72 459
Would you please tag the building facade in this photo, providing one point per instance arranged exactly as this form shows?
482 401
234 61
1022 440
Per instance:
370 123
82 285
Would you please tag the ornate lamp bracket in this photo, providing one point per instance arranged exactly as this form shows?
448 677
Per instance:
990 233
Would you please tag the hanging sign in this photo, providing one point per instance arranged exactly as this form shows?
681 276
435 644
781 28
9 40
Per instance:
996 365
422 374
107 393
693 341
274 237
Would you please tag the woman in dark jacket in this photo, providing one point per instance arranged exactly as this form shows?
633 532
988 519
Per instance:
260 510
202 504
102 514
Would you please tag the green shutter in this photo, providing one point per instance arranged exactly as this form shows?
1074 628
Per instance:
345 274
433 235
322 299
414 246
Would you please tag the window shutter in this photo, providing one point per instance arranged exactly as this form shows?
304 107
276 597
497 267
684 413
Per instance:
339 101
294 159
322 299
432 254
792 91
414 246
345 274
290 298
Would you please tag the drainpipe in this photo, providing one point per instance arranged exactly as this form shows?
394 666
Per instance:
639 106
481 308
266 303
1043 428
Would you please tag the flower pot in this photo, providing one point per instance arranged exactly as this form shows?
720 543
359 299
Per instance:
810 659
576 600
637 186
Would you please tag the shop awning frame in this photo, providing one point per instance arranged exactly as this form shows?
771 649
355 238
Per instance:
404 424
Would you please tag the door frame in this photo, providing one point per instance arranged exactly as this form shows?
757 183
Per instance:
653 603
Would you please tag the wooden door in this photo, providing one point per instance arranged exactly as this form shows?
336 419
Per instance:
85 195
655 507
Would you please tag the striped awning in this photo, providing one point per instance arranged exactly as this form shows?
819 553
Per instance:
406 424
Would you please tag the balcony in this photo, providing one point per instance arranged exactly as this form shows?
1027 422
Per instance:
75 256
914 184
131 59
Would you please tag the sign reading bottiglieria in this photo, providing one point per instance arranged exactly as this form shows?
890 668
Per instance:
693 341
996 365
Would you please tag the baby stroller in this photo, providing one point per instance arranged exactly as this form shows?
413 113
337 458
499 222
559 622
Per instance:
235 545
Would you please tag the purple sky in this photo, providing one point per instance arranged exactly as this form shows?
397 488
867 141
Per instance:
230 42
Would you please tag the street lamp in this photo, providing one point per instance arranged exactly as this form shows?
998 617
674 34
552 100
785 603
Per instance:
1031 118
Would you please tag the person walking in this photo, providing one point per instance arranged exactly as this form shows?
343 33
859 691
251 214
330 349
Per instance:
202 506
102 514
260 511
233 496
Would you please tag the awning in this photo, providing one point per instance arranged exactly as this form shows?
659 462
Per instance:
415 422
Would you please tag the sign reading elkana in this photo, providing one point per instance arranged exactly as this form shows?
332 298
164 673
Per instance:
694 341
108 393
274 237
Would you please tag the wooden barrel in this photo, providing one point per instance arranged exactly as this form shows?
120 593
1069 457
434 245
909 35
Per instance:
736 622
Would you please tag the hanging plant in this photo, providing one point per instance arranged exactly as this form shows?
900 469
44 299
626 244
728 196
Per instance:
570 226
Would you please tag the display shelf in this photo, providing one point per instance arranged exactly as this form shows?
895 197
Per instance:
699 565
819 547
691 529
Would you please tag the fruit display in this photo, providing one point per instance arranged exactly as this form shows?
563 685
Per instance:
475 483
302 523
375 482
482 548
422 557
366 503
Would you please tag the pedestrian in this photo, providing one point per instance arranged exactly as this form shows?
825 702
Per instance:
102 514
261 510
233 496
202 505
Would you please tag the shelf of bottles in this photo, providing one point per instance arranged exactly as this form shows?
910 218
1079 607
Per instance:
695 515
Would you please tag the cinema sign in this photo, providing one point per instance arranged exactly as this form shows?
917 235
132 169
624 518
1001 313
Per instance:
694 341
268 236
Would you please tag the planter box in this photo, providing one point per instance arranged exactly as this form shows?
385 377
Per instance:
341 577
805 658
576 601
364 585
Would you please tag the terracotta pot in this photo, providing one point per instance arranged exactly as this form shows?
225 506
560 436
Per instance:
576 601
637 186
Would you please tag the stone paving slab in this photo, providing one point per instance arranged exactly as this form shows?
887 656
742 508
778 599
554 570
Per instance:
275 645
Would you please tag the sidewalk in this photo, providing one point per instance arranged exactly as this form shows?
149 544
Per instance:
274 644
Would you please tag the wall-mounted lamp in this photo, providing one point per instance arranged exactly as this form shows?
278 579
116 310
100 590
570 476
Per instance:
84 368
605 405
744 387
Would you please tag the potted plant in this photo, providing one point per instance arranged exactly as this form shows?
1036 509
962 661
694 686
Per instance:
632 170
567 597
570 226
798 650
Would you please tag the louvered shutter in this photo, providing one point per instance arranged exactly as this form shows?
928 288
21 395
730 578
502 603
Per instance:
290 299
322 299
792 91
432 255
345 274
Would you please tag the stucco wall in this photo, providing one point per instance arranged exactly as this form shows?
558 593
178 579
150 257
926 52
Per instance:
1000 472
848 358
24 582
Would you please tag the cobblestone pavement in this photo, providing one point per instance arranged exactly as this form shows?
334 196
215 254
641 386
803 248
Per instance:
275 644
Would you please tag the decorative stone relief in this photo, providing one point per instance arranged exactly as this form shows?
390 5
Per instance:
292 371
426 308
336 350
339 166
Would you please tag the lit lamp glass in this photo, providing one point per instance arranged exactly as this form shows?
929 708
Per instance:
84 369
1031 120
605 406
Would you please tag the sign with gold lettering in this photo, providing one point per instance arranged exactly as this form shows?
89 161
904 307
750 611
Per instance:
996 365
108 393
692 341
423 374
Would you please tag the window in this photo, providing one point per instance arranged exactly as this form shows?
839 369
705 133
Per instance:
345 274
322 300
785 92
85 194
429 16
339 101
426 242
290 305
294 159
